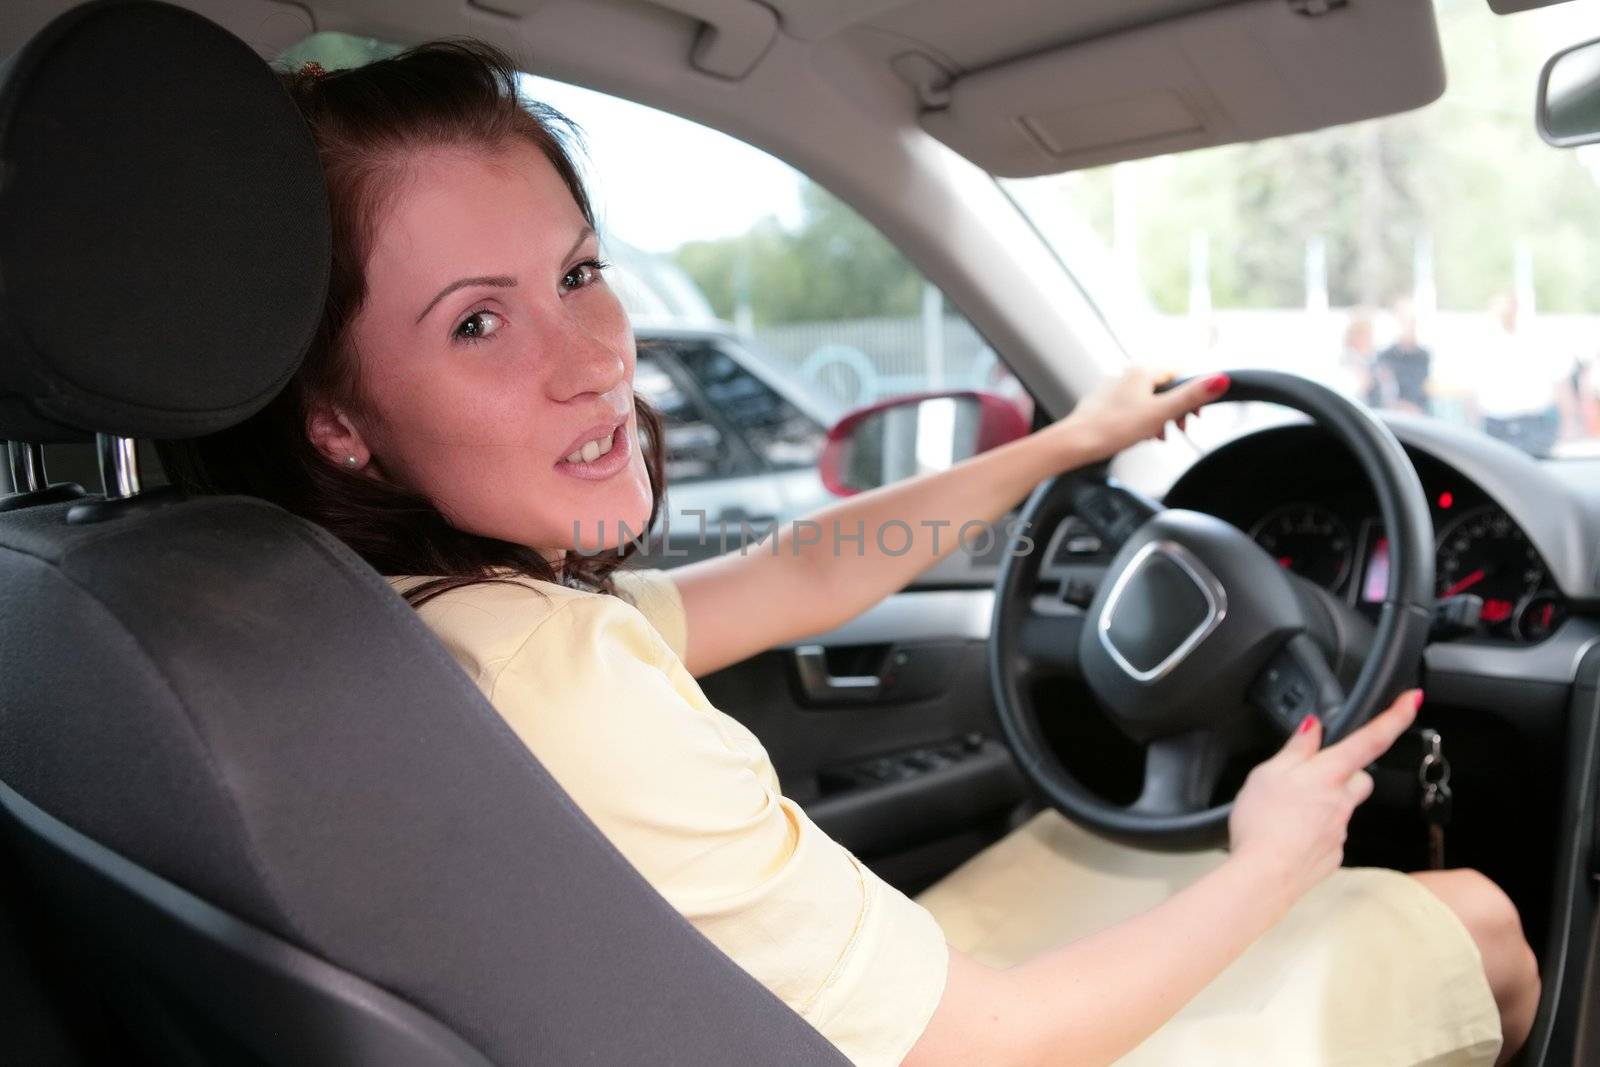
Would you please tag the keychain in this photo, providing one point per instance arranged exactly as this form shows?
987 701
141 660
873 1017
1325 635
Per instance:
1434 776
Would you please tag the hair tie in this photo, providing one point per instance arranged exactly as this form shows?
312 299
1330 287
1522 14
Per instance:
312 69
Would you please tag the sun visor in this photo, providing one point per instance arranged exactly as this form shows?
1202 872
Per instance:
1511 7
1247 71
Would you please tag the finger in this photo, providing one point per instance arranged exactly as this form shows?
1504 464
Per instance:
1373 740
1359 787
1195 394
1303 743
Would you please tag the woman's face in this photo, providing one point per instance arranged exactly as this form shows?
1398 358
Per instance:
495 363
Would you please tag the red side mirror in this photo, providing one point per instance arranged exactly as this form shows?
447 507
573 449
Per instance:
913 434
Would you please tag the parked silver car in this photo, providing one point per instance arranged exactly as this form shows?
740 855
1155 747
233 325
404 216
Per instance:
742 439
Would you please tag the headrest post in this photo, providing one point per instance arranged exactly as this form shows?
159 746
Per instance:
26 461
119 466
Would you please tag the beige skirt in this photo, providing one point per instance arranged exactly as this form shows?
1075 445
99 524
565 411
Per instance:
1368 969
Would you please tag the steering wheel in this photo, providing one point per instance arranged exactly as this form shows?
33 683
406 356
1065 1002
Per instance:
1197 642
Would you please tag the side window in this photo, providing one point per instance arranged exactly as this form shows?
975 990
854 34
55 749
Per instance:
827 310
696 448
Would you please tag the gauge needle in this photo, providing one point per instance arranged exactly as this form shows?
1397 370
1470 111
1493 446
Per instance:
1466 583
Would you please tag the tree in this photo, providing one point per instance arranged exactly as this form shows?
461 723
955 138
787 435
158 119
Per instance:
335 51
836 265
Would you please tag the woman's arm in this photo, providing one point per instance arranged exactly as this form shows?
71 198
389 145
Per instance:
1094 999
842 559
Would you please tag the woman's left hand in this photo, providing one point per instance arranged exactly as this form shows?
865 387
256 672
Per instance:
1128 410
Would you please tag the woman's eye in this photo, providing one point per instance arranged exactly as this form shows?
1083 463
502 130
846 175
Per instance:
585 273
477 326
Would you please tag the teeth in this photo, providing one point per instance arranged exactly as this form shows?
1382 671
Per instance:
593 450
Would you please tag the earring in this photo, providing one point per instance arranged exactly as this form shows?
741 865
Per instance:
351 461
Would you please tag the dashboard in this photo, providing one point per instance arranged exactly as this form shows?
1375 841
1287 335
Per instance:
1303 499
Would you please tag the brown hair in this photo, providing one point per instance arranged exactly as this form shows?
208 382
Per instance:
366 121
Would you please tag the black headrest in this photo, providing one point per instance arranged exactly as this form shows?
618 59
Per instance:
164 234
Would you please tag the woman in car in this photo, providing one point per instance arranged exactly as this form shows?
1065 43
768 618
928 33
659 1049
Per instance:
466 422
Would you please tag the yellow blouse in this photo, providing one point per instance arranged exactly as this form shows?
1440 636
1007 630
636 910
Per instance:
596 688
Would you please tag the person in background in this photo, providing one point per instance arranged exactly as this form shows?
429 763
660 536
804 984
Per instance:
1401 371
1588 398
1523 392
1354 375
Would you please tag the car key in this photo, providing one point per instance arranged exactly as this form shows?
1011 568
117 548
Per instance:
1434 776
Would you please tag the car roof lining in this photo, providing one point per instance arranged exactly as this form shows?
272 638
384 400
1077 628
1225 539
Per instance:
1019 87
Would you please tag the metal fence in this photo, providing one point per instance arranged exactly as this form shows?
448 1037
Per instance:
857 361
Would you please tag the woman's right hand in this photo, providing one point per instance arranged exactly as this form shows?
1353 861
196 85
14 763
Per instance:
1125 410
1099 996
1291 817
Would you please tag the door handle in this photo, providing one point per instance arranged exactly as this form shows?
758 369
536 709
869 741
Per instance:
822 687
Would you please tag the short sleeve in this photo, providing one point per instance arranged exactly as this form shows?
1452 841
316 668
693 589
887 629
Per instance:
656 596
688 795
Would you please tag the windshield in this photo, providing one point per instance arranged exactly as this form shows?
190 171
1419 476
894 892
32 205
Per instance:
1442 262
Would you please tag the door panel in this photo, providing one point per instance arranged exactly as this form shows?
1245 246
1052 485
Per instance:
900 758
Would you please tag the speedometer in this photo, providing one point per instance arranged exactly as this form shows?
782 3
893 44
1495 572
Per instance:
1309 540
1486 554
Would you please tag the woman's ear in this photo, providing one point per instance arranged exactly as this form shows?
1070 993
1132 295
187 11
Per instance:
332 434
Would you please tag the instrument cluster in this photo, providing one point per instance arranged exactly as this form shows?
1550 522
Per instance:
1479 551
1318 518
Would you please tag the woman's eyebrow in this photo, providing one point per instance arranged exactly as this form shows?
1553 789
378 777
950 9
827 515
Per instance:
504 281
583 235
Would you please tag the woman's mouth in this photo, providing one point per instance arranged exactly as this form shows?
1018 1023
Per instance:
601 453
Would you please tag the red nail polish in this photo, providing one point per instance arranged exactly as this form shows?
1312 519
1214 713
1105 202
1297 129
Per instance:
1306 724
1417 701
1217 383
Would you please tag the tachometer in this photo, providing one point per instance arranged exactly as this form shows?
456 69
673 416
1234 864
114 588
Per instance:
1486 554
1538 616
1309 540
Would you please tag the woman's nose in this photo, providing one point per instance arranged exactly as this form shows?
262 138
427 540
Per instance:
588 364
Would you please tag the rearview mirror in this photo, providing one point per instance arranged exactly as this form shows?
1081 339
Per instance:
915 434
1568 109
